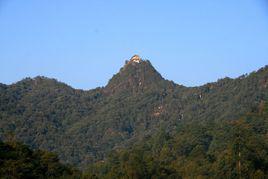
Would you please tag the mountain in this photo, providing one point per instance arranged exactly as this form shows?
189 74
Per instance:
83 127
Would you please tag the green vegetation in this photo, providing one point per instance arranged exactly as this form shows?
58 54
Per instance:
18 161
233 149
230 149
143 119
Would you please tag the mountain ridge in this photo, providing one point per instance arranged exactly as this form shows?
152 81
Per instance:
84 126
196 86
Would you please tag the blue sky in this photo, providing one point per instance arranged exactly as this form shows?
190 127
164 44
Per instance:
84 42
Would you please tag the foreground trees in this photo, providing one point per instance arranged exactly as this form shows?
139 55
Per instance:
18 161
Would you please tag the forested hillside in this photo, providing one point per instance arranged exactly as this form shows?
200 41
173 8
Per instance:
83 127
216 149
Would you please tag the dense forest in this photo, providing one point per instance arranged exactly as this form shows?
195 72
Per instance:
142 126
18 161
229 149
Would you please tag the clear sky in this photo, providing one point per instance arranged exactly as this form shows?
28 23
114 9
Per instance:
84 42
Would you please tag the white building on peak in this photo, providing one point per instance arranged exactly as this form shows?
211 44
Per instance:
136 59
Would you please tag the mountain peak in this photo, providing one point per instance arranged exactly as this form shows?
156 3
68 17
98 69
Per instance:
136 76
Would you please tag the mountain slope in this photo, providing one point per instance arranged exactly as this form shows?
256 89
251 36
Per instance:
84 126
214 149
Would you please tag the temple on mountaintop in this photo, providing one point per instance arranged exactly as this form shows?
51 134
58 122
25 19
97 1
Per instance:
136 59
